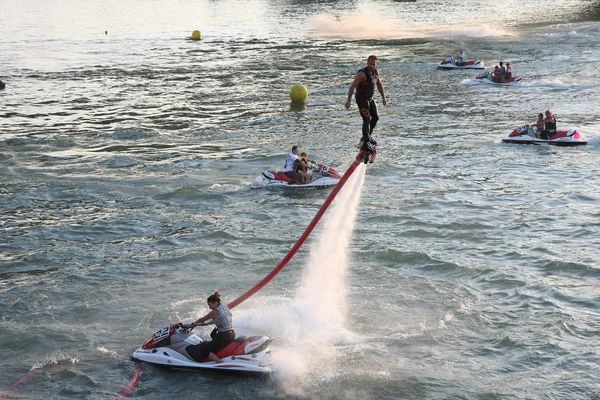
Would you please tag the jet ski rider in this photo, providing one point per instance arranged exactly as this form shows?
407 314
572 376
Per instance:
539 124
301 167
549 125
365 81
222 335
499 73
462 58
289 168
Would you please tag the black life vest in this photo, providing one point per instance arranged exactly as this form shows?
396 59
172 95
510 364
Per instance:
366 88
551 126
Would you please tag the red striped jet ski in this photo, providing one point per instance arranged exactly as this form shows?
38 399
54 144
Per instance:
167 348
451 63
528 134
321 175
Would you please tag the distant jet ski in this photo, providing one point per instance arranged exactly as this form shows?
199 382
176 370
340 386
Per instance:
488 77
451 63
167 348
321 175
527 134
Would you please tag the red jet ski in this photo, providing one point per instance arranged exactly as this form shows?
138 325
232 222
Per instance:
488 77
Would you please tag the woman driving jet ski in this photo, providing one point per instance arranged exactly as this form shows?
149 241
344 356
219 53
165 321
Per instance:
222 335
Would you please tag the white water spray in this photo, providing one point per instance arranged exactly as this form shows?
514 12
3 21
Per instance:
321 300
359 26
317 322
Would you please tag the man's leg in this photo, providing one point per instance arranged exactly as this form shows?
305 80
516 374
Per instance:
294 177
374 119
365 113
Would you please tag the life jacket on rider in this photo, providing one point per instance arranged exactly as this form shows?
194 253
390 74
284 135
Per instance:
550 121
366 88
299 166
549 125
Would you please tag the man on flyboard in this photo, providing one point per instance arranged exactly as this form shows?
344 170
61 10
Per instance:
364 83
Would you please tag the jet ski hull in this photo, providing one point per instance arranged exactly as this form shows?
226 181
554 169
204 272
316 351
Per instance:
322 176
516 82
169 347
556 142
469 65
165 357
450 63
319 183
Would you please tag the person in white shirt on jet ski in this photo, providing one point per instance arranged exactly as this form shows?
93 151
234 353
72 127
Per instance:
289 168
508 74
462 58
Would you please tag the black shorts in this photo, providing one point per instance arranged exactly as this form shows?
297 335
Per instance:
199 352
220 340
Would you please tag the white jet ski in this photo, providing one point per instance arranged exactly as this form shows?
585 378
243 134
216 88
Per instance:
527 134
451 63
167 348
321 175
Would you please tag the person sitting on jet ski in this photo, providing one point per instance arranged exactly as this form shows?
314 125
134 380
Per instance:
301 167
222 335
540 125
508 74
496 74
462 58
289 168
549 125
499 73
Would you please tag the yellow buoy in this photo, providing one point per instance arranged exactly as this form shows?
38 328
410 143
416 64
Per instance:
298 93
196 35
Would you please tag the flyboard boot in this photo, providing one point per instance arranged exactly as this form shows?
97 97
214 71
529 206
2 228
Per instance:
368 150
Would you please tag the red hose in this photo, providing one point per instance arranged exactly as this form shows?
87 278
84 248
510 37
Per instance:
304 236
133 382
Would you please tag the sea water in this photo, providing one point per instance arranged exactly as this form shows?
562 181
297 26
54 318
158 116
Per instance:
127 152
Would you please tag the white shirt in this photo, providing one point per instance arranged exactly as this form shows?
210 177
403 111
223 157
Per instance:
462 57
289 162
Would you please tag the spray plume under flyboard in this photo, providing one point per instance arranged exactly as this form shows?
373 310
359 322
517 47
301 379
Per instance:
321 299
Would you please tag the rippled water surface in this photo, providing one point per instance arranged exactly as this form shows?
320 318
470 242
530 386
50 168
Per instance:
128 152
